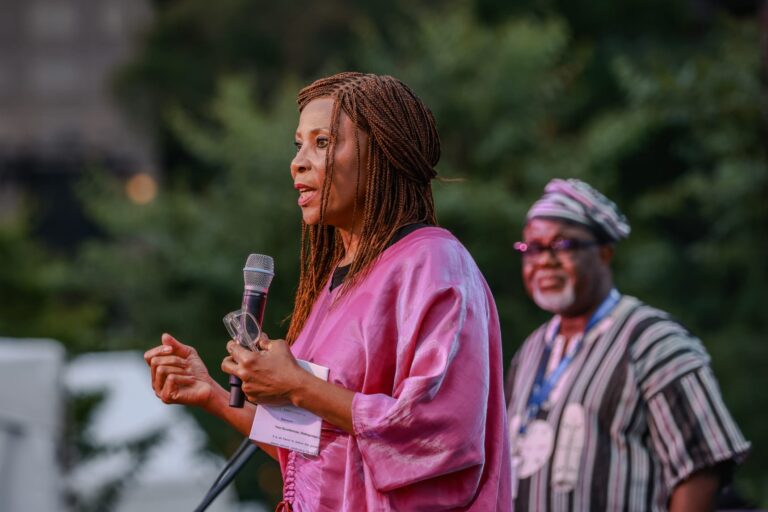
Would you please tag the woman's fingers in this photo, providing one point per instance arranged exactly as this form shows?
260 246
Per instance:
177 347
171 389
168 361
163 374
159 361
241 362
230 366
157 351
266 373
169 346
238 353
263 342
178 374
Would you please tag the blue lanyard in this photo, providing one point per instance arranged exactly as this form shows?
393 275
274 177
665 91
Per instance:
542 386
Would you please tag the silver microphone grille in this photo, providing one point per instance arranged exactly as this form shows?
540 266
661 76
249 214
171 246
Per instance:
258 272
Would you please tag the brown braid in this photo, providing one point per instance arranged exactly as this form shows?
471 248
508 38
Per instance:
403 149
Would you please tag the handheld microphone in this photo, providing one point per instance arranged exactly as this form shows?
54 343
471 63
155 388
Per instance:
257 276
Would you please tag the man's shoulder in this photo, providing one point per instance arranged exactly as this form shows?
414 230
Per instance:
645 325
640 321
636 309
651 323
660 348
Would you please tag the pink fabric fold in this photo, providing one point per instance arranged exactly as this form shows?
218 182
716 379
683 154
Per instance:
418 340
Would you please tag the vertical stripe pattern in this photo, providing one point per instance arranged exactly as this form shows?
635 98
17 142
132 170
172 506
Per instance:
654 413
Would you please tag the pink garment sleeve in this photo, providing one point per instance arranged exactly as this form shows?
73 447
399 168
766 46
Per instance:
434 423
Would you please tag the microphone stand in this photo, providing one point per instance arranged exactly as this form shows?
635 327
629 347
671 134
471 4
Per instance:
233 466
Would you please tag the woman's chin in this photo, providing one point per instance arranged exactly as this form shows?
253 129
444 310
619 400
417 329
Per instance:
310 217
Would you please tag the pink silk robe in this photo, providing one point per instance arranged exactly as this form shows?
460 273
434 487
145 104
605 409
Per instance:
418 340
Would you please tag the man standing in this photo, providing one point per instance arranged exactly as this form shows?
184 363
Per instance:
613 405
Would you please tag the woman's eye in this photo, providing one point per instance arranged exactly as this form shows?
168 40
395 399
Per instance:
297 145
322 142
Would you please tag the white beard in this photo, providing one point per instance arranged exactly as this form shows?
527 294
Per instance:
555 302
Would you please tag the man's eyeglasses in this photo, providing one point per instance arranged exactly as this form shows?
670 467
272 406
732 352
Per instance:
559 246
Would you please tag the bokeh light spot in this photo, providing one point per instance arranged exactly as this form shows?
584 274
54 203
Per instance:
141 188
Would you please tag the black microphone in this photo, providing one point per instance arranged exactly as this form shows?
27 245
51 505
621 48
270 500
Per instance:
257 276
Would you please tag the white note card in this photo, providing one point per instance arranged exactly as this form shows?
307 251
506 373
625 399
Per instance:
288 426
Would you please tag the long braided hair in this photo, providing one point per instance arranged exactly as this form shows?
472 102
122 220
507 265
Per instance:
403 149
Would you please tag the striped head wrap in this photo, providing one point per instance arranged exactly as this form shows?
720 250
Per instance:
573 200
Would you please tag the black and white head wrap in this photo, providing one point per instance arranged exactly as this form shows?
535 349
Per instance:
573 200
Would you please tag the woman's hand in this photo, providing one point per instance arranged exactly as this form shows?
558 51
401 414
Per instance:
270 376
180 377
178 374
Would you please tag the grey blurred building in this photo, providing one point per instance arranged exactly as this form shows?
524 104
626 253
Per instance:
57 111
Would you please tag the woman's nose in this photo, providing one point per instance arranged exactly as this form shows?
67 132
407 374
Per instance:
299 163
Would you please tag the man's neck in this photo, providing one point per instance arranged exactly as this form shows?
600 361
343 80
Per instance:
576 324
570 326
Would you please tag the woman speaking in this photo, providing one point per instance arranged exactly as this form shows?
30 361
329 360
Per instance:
395 308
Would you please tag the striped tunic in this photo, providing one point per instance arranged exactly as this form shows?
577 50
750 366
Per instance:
651 408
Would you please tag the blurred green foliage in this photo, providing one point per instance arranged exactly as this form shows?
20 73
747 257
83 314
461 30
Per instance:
661 108
39 293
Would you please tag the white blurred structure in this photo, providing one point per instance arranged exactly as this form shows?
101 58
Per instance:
177 473
34 379
30 422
